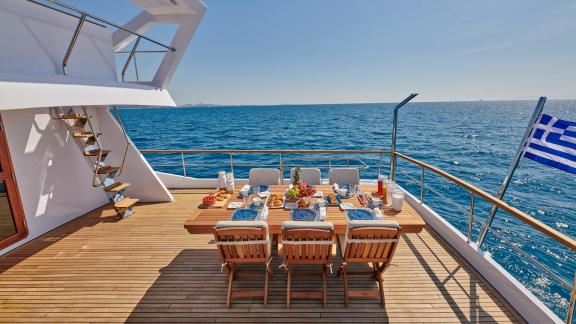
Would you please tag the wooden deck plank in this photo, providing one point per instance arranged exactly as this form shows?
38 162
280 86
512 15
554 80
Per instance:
148 269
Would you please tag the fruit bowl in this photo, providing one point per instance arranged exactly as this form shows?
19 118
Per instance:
300 190
209 200
304 190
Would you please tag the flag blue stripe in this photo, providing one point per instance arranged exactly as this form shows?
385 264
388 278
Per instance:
538 133
545 119
569 133
549 162
563 124
554 138
548 150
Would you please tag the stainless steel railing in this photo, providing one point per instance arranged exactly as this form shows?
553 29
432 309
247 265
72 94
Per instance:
474 192
283 162
82 18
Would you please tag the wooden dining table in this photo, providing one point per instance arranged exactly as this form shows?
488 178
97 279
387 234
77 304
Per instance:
203 219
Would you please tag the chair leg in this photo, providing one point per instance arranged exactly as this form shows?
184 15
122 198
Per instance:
345 277
324 295
230 283
381 287
288 288
380 284
266 274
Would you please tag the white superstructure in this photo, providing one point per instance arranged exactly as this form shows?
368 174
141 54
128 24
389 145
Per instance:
56 56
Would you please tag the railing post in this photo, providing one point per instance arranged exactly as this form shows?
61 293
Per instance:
72 43
422 186
471 219
136 68
130 56
281 169
570 314
183 164
231 164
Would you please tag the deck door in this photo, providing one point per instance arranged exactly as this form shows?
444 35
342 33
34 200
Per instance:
12 221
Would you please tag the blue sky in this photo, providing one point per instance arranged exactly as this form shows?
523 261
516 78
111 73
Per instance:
333 51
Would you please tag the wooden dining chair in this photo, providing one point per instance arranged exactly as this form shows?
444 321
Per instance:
243 242
371 241
307 243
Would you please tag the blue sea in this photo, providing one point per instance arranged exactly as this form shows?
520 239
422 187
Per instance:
471 140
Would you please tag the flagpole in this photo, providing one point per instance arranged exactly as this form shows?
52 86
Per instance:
394 128
515 162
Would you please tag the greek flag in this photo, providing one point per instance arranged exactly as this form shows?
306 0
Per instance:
553 142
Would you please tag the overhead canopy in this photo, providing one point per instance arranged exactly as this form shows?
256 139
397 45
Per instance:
18 94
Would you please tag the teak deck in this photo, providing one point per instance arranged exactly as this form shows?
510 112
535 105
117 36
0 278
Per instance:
202 221
149 269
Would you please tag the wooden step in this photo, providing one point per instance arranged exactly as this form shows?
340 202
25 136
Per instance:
107 169
85 134
74 116
126 203
116 187
95 152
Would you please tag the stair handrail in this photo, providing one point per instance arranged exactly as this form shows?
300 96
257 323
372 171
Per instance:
125 137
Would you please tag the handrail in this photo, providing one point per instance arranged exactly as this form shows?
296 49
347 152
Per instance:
549 231
83 18
127 141
272 151
66 13
503 239
107 22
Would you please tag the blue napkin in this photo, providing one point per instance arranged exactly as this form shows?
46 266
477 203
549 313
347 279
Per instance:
360 214
303 214
244 215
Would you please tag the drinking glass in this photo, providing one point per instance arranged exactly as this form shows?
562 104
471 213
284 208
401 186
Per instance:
390 186
246 201
353 190
397 199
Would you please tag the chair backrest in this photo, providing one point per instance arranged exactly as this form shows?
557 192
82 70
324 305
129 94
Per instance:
242 241
344 176
371 241
305 242
264 176
310 176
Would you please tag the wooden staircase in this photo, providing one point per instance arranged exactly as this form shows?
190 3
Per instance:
104 175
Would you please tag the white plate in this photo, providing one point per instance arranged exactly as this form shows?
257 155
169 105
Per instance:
345 206
235 205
